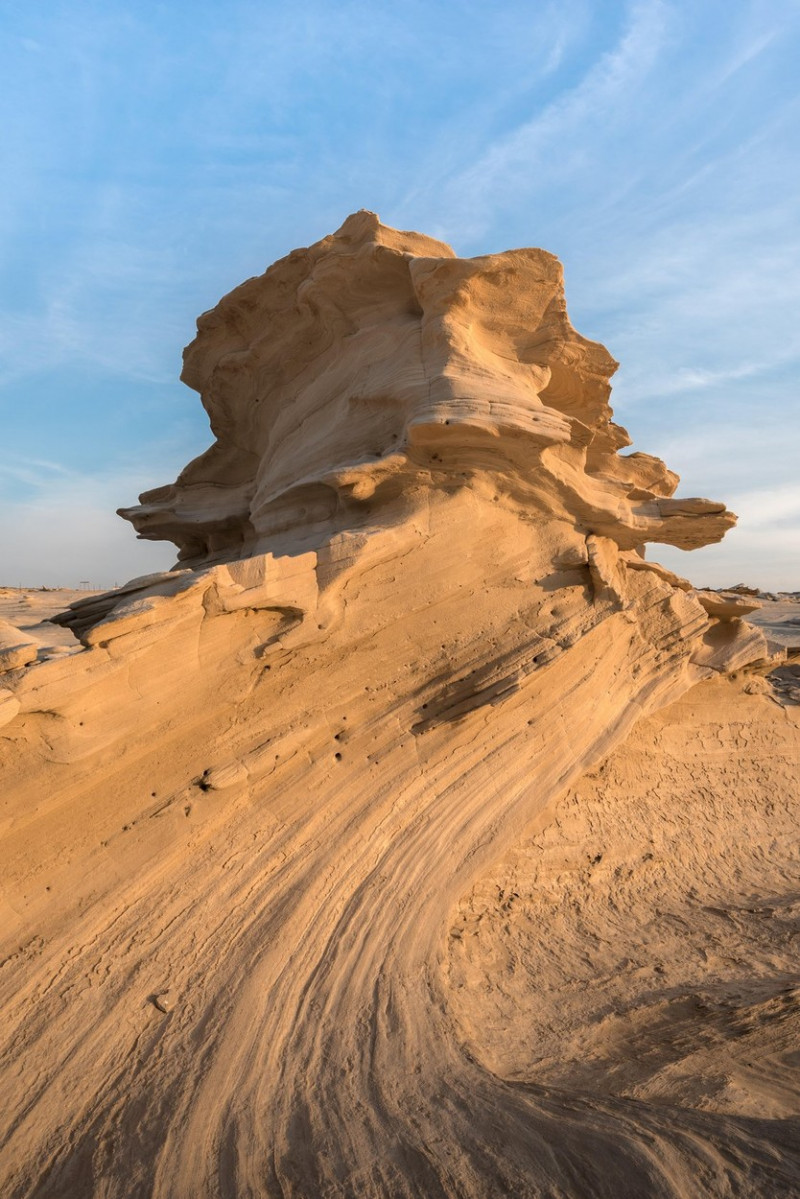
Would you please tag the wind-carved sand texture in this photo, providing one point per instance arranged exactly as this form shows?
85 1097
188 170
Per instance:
415 836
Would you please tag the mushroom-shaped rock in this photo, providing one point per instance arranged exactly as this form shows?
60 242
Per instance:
355 376
726 607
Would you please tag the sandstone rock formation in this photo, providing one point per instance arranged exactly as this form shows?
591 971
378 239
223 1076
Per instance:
411 611
375 366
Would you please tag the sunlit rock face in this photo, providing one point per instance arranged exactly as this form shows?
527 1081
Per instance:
243 823
376 365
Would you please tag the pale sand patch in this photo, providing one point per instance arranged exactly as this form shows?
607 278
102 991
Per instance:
30 610
780 619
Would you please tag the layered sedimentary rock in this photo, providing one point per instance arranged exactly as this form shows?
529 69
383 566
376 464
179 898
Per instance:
411 609
376 365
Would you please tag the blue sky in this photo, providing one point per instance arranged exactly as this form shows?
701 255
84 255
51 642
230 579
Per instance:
157 153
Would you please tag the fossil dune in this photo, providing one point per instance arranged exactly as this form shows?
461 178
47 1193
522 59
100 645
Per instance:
416 835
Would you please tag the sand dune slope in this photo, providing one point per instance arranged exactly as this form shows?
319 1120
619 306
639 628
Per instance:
645 942
255 942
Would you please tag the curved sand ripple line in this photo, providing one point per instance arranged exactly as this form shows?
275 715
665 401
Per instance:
298 929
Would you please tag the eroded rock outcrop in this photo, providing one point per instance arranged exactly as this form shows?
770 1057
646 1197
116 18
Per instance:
376 364
411 609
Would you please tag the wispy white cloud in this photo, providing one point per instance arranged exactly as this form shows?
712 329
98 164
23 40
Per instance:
688 379
95 309
32 472
768 507
65 529
723 462
544 142
743 55
761 557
